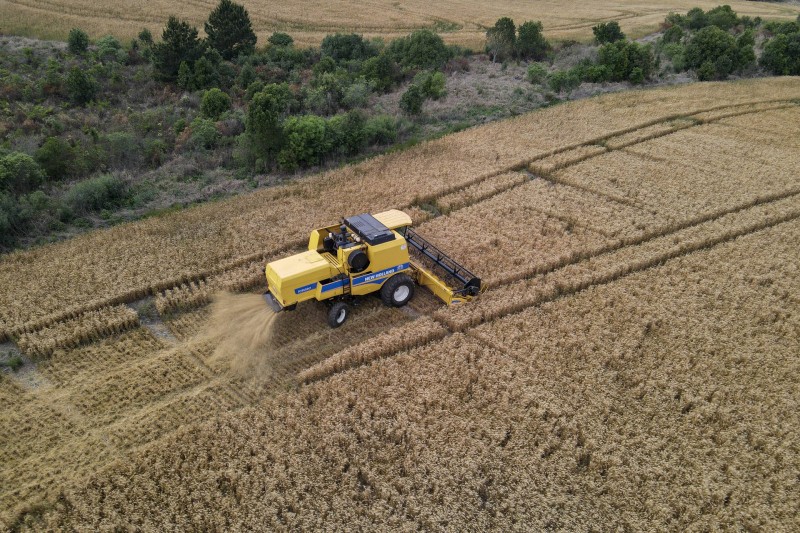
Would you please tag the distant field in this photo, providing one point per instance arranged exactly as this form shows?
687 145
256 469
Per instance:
308 21
633 362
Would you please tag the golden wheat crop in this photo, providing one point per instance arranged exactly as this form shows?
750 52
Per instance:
638 332
310 20
83 329
605 407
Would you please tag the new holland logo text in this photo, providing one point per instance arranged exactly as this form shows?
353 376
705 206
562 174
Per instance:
377 277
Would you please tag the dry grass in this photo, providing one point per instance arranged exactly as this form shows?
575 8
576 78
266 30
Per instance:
309 21
633 310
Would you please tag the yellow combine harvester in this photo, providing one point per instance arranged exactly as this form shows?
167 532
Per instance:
365 254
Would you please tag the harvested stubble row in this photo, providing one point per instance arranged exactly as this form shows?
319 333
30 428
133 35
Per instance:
692 171
508 236
622 398
67 366
619 262
61 281
480 191
401 338
156 419
88 327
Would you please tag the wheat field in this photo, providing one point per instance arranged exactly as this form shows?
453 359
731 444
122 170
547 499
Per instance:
308 21
631 367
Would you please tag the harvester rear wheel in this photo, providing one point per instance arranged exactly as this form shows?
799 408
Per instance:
337 314
397 291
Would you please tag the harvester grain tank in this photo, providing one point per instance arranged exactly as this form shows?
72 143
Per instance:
363 255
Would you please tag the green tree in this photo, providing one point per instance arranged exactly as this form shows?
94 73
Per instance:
608 32
781 55
723 17
501 39
56 157
185 76
78 41
19 173
230 31
531 43
412 100
82 87
347 47
146 37
346 133
621 58
179 43
423 49
381 71
265 116
215 103
719 48
306 142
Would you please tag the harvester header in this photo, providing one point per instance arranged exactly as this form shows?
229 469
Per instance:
362 255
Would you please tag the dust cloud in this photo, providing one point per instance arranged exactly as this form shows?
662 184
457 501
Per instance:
243 325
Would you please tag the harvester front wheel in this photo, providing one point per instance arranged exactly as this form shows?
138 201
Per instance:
397 291
337 314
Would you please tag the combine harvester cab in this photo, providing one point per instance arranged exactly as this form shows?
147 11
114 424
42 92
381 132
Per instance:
366 254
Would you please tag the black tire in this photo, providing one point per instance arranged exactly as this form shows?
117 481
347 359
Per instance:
338 314
397 291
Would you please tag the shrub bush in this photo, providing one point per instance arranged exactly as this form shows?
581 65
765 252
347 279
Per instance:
675 53
81 86
307 142
380 129
123 149
537 73
432 84
718 48
56 157
102 192
381 71
347 47
423 49
608 32
204 134
356 95
563 81
78 41
280 39
215 103
412 100
531 43
781 55
622 57
673 34
19 173
110 49
346 133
